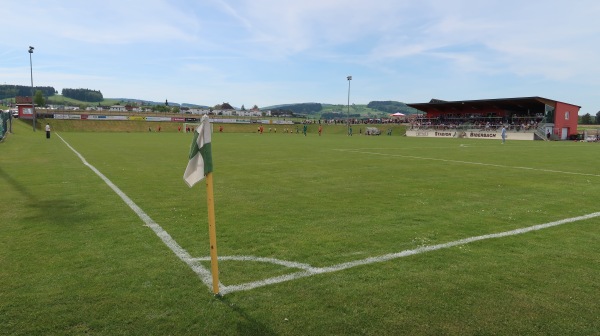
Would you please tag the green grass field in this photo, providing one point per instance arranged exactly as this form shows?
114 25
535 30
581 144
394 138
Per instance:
75 258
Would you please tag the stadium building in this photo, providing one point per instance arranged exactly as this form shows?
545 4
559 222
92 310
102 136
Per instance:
526 118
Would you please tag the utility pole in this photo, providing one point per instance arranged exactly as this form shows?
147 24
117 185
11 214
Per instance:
32 93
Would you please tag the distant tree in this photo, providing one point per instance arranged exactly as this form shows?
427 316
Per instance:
256 108
243 108
305 108
598 118
85 95
586 119
38 99
176 109
11 91
159 108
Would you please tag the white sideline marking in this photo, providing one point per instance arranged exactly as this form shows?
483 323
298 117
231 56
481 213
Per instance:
182 254
289 264
307 270
468 162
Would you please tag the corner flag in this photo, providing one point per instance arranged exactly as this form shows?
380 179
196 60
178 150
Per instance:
199 167
200 162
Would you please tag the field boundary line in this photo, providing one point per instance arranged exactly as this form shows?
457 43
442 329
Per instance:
467 162
166 238
310 271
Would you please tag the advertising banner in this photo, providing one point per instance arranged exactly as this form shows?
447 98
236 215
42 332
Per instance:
230 121
158 118
67 116
103 117
425 133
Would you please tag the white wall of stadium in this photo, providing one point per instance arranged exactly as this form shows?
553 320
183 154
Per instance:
469 134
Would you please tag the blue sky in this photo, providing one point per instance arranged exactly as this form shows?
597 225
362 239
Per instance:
269 52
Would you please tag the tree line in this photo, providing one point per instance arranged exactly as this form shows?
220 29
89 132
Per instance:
11 91
587 119
85 95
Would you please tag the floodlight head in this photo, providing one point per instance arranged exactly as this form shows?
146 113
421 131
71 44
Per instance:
31 49
349 77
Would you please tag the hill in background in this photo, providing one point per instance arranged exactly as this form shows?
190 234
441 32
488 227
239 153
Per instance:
150 103
375 109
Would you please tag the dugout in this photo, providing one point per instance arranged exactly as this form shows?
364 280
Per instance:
528 118
25 107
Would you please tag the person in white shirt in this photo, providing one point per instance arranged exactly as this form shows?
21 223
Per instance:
47 131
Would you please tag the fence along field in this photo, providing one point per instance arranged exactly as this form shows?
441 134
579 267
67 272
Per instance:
334 200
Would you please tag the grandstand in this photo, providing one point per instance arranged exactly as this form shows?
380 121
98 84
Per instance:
526 118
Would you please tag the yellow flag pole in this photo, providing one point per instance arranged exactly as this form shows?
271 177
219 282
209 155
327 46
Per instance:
212 233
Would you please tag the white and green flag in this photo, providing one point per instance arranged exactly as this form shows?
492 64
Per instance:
200 162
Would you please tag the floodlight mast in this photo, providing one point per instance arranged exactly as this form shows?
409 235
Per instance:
32 93
349 78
